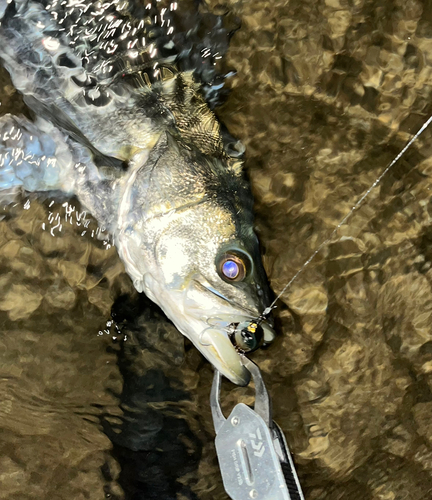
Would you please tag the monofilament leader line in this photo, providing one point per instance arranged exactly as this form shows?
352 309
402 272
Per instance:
359 202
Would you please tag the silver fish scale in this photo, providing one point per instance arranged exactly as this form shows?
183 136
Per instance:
118 38
32 50
109 42
88 65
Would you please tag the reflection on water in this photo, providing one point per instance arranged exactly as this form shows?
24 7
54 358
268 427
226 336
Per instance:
327 94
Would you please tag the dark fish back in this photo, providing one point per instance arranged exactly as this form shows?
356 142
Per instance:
100 71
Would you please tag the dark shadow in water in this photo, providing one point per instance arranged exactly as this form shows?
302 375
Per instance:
153 448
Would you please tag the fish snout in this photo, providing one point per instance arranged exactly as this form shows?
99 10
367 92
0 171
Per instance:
224 345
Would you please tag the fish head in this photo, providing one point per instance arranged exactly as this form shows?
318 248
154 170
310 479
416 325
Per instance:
203 266
214 281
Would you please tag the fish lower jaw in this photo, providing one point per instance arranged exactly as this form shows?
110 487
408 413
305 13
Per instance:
212 341
221 353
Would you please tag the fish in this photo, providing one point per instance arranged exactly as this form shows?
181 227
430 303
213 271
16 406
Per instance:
123 96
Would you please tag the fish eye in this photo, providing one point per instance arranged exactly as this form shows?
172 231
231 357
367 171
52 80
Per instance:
232 267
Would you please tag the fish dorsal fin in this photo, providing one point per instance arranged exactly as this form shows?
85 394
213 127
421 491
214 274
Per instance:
195 121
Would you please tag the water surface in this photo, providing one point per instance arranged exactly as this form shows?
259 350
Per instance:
327 94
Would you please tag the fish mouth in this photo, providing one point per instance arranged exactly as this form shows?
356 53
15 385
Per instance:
211 333
221 353
215 344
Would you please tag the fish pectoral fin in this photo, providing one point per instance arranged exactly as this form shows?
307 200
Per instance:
61 120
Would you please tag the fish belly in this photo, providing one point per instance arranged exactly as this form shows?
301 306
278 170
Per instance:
34 156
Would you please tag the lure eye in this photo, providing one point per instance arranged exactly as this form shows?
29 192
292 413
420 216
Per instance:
232 268
247 337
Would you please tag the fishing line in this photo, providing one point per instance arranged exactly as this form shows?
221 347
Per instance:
359 202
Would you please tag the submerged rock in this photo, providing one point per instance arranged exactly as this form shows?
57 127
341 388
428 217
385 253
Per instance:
20 301
60 296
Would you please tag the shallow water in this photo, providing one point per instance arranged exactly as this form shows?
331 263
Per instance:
327 94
